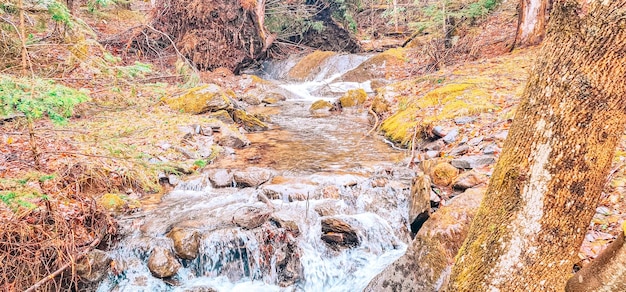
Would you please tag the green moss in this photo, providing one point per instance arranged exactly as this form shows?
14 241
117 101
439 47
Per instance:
304 68
353 97
202 99
321 105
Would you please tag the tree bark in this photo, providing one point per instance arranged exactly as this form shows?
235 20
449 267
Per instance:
548 180
532 22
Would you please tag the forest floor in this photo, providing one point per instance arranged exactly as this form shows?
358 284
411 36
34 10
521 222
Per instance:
99 164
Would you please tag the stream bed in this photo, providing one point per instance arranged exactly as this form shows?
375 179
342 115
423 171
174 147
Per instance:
329 214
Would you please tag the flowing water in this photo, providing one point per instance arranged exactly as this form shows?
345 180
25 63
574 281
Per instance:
322 167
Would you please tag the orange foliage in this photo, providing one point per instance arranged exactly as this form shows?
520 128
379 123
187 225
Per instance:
248 4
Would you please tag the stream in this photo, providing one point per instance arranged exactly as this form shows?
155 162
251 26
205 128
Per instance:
331 215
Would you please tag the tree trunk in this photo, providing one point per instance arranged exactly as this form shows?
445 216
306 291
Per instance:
548 180
532 22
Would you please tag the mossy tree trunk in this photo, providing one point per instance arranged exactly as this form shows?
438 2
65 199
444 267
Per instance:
532 22
548 180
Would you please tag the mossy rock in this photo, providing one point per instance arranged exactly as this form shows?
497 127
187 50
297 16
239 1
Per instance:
380 66
223 116
249 122
353 97
308 66
321 105
447 102
443 174
112 202
206 98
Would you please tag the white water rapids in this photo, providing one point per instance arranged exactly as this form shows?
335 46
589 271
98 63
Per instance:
233 259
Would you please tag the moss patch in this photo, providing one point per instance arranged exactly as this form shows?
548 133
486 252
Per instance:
380 66
304 69
353 97
202 99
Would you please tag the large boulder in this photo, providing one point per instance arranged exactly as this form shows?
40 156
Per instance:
206 98
353 97
427 262
162 263
252 176
186 242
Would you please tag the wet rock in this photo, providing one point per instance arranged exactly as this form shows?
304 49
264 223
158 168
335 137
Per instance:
451 137
463 120
331 192
201 289
232 138
427 262
250 217
162 263
443 173
419 208
353 97
186 243
469 179
283 221
330 208
249 122
379 182
289 192
469 162
320 107
252 177
220 178
458 151
223 116
94 266
206 98
173 179
337 232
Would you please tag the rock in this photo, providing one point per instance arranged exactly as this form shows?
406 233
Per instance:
223 116
469 179
113 202
426 264
353 97
286 223
252 177
331 192
232 138
93 266
337 232
220 178
458 151
320 106
419 208
251 217
491 149
173 179
434 145
206 98
432 154
443 173
162 263
475 141
463 120
251 99
308 67
330 208
272 98
469 162
451 136
439 131
186 242
501 136
249 122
